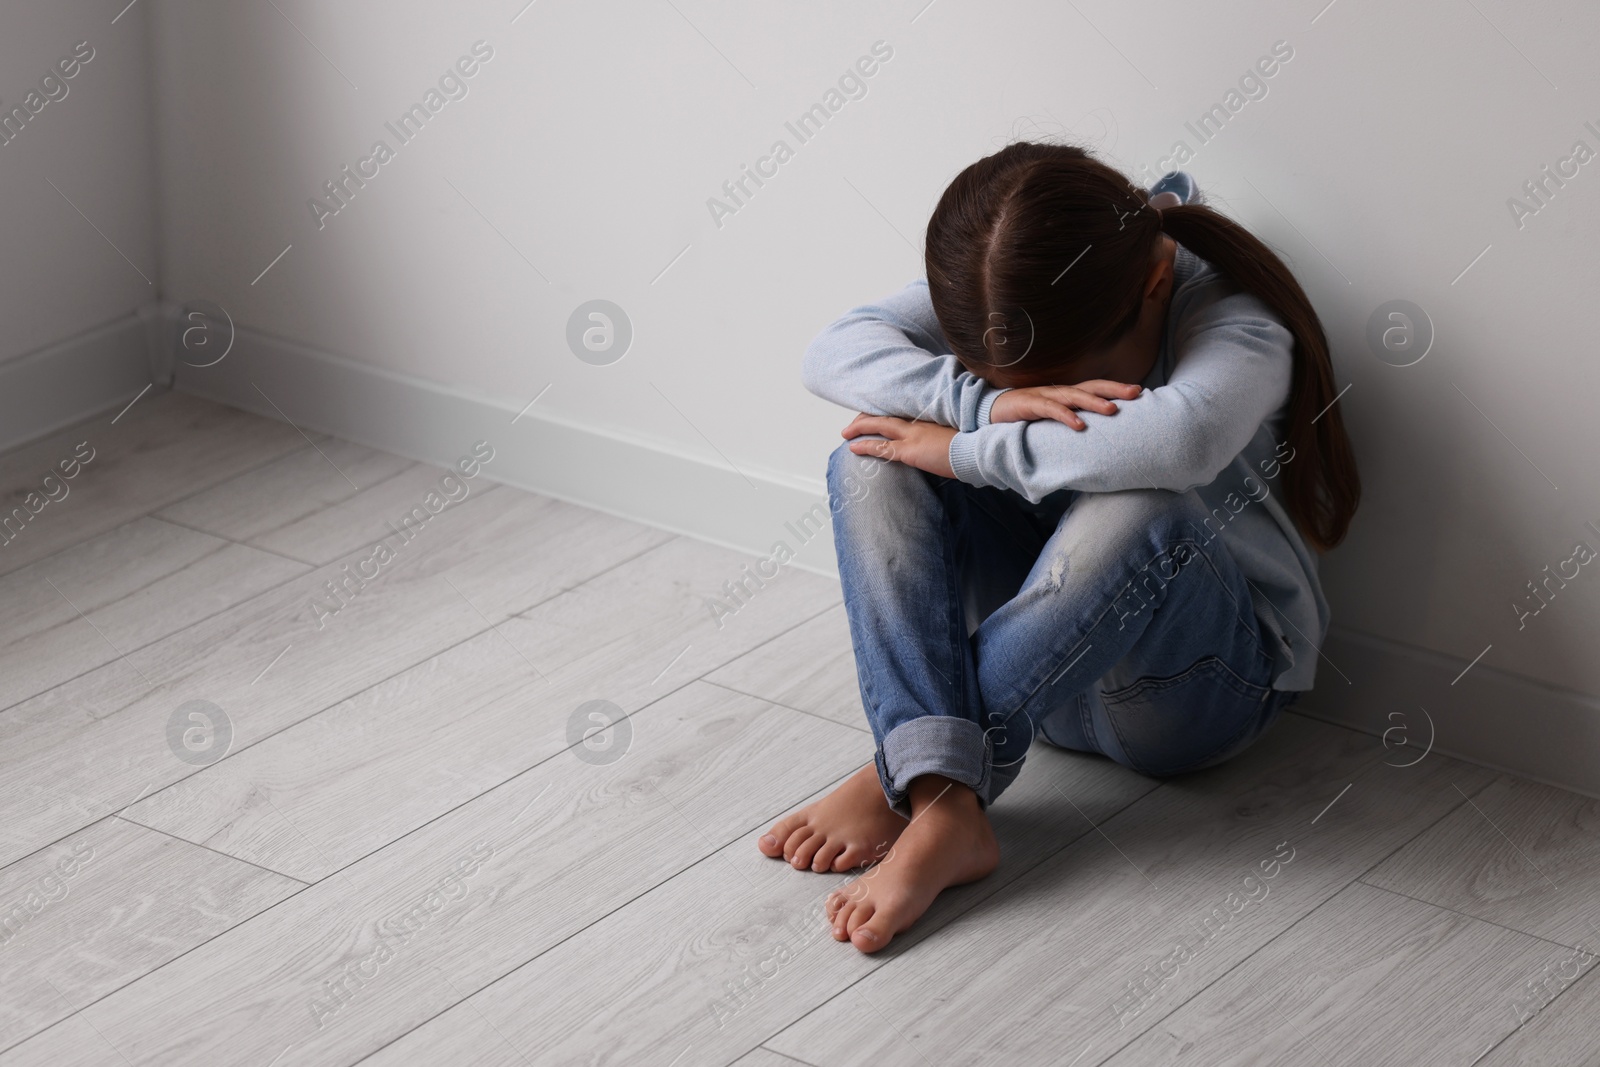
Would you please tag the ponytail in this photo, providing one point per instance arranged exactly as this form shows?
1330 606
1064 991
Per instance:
1321 495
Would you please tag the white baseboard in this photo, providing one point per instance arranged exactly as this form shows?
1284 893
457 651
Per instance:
73 380
422 420
1489 717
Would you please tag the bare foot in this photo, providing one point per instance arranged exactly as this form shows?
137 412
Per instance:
849 827
948 842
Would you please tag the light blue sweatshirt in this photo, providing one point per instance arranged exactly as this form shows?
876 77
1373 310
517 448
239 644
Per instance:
1210 418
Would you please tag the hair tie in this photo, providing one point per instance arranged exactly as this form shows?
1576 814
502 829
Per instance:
1166 198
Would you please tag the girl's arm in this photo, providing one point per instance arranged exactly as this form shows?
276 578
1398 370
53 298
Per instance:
884 359
1233 372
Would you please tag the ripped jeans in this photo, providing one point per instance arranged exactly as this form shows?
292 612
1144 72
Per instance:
1101 622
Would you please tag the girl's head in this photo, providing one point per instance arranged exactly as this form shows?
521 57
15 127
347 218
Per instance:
1046 266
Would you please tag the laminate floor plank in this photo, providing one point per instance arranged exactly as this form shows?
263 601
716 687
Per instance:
346 966
286 491
645 628
714 961
134 585
101 741
371 515
165 447
72 1042
524 549
467 1039
1522 855
105 906
812 668
764 1057
1080 951
1369 979
1559 1003
349 780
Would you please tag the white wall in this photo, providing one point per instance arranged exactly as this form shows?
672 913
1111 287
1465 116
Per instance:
58 276
1379 163
60 279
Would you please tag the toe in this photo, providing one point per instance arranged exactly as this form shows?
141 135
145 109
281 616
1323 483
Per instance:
860 916
841 921
868 938
823 860
871 930
771 842
844 897
795 840
808 850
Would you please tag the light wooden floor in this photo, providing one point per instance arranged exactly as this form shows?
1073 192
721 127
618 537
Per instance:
403 858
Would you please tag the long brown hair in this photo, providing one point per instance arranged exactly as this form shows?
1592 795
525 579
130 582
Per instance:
1050 229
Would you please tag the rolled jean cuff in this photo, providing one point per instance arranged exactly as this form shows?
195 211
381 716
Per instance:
933 744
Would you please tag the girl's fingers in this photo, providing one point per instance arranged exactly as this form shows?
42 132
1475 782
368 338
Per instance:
1084 400
878 424
852 429
1047 405
872 446
1106 388
1051 409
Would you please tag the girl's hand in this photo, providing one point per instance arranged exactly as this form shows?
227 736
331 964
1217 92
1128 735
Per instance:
1057 402
923 445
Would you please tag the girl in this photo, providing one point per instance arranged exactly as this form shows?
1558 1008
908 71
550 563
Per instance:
1122 565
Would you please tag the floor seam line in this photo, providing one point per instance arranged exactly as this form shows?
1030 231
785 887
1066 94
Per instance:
791 629
1465 915
299 447
1448 812
216 852
235 541
411 465
778 703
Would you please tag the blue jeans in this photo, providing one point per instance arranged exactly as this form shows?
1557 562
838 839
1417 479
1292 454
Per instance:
1103 622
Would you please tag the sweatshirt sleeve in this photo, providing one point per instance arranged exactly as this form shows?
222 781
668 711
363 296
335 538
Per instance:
1233 369
891 358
